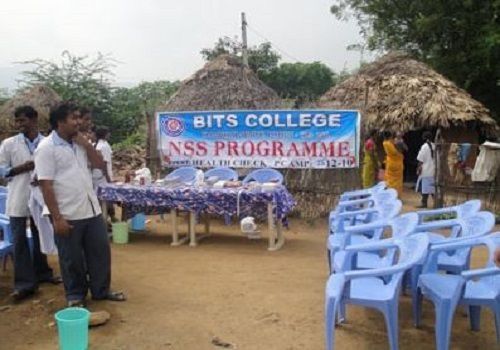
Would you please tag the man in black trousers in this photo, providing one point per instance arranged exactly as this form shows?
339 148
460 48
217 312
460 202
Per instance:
16 157
62 165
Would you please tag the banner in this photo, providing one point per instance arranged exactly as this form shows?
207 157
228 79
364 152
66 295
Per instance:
300 139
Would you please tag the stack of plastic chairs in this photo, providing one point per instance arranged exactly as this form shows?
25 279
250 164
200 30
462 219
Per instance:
473 288
367 192
356 211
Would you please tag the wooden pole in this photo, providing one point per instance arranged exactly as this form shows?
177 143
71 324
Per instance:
244 51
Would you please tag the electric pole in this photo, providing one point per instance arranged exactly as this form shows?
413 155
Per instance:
244 51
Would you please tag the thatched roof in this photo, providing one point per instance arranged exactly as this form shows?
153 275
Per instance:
223 83
40 97
397 92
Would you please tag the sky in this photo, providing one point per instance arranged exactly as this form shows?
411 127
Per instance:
161 39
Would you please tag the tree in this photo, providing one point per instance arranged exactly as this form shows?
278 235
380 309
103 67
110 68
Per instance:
460 39
224 45
261 58
83 80
304 81
88 82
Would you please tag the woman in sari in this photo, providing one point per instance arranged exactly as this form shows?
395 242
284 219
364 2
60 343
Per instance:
370 161
393 164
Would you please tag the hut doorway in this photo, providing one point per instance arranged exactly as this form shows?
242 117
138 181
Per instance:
413 140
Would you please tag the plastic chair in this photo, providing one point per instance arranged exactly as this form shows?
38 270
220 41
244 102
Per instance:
3 200
186 175
460 211
360 204
264 175
223 174
6 245
451 262
473 288
400 226
382 210
474 226
366 192
376 288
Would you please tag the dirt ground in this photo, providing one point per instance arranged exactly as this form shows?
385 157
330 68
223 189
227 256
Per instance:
229 291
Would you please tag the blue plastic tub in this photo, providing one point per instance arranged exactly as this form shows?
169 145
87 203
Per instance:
138 222
73 328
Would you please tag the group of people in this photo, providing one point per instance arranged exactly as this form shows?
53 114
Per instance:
66 166
392 169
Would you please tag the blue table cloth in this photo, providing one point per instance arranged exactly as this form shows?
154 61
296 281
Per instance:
224 202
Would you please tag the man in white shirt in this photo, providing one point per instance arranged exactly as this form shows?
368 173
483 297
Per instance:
99 176
16 158
426 168
61 162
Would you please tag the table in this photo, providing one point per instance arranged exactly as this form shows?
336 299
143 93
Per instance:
273 204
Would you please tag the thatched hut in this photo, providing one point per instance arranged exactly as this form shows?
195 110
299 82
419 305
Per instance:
222 84
40 97
398 93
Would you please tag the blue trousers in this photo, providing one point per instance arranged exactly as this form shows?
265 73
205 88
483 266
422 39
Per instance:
30 265
85 259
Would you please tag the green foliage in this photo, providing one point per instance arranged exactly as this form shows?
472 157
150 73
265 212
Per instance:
81 79
131 106
88 82
138 138
261 58
304 81
224 45
460 39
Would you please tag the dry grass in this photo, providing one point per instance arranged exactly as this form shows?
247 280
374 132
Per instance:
223 83
398 93
40 97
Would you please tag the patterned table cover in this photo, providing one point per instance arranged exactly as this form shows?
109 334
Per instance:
153 200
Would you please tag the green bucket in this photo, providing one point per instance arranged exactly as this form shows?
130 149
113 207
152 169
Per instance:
120 232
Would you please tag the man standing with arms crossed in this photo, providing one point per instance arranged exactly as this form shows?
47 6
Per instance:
16 158
61 162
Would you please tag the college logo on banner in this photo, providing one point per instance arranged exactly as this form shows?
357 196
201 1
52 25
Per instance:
172 126
296 139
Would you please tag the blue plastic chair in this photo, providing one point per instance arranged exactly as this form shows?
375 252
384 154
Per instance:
264 175
3 200
400 226
359 204
366 192
459 211
186 175
473 288
223 174
375 288
382 210
451 262
7 243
